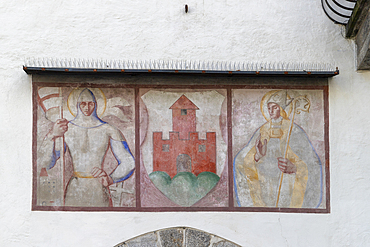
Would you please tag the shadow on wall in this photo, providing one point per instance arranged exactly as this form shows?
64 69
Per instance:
178 237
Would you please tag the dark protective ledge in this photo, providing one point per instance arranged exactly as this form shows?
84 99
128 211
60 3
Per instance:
91 71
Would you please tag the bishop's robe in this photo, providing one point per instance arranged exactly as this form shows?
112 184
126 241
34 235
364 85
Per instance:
256 183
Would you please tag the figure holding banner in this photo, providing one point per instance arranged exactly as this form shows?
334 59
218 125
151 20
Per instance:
279 164
87 139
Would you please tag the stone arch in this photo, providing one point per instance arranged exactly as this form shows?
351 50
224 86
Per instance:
178 237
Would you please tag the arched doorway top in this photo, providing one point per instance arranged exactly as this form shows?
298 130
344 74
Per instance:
178 237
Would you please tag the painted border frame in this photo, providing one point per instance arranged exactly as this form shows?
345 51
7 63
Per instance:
228 87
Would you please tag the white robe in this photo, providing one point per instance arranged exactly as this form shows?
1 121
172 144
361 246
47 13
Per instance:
88 139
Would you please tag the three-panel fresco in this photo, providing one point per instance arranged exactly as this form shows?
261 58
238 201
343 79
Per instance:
132 147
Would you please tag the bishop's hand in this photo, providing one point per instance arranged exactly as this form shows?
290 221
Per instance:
102 176
286 166
261 148
60 127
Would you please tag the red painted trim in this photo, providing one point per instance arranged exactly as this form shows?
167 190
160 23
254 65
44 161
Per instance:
138 207
137 150
326 141
229 148
34 146
184 209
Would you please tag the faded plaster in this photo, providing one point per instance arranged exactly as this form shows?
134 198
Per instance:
270 30
207 120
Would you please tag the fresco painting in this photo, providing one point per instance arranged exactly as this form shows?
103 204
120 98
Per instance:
185 150
86 158
278 146
85 147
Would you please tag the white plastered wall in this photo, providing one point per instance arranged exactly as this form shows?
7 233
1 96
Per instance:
220 30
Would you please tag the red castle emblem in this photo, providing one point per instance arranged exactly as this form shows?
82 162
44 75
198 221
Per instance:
184 151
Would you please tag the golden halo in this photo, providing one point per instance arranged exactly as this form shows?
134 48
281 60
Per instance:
263 104
100 98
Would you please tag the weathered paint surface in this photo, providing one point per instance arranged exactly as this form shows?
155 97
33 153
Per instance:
278 166
221 30
184 152
96 147
184 148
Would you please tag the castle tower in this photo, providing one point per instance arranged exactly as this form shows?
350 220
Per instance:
184 117
184 151
48 194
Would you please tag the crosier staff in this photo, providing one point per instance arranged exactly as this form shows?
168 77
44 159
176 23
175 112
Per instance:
304 105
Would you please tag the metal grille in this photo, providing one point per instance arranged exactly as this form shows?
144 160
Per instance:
79 65
339 11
